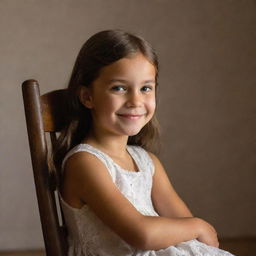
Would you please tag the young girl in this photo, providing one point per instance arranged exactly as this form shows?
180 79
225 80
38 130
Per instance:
115 194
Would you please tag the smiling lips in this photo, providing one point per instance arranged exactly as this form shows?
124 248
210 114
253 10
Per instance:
131 116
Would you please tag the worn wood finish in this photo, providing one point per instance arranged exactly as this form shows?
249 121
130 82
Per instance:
54 110
44 114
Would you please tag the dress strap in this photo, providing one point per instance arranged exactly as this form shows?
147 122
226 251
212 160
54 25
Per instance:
142 158
92 150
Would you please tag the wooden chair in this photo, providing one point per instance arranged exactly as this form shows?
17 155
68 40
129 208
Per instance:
45 114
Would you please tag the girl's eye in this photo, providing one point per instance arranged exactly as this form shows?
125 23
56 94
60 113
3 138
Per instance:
118 88
147 88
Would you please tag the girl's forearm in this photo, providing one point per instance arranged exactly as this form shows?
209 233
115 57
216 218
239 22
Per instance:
180 211
161 232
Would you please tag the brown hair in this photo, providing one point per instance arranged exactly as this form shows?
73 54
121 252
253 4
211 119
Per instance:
100 50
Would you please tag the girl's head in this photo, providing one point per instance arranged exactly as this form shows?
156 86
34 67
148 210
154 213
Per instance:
103 49
99 51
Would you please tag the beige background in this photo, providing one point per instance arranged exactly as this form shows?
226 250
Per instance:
207 103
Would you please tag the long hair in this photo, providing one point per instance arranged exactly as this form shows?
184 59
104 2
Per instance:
99 51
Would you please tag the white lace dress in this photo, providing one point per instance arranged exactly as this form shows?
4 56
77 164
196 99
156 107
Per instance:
89 236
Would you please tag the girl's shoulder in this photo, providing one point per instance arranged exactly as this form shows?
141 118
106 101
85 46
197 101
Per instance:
140 151
143 156
85 148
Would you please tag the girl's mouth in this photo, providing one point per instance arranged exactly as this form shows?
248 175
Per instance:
131 116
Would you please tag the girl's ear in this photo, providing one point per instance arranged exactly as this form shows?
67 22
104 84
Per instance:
85 96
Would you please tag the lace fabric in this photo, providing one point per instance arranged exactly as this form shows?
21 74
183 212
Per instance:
89 236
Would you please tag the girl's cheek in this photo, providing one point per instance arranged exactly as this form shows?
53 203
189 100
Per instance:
152 104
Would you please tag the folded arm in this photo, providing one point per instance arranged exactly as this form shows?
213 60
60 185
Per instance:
88 181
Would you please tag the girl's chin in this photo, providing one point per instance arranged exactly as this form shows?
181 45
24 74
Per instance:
130 131
134 132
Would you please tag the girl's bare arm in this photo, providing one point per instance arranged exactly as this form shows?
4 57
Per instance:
87 179
165 199
168 204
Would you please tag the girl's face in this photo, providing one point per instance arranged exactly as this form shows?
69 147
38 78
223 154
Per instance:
122 98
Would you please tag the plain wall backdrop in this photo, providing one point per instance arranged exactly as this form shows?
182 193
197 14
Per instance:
206 106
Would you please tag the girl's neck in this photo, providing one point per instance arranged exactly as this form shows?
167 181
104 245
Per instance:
112 146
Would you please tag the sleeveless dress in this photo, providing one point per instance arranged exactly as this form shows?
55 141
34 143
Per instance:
89 236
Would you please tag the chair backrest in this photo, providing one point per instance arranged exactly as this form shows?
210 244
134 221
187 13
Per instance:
45 114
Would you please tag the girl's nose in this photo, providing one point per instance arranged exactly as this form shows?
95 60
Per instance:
134 100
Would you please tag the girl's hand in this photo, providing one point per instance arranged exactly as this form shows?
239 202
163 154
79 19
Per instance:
207 233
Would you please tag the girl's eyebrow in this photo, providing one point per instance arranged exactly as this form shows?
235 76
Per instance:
125 81
150 81
117 80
